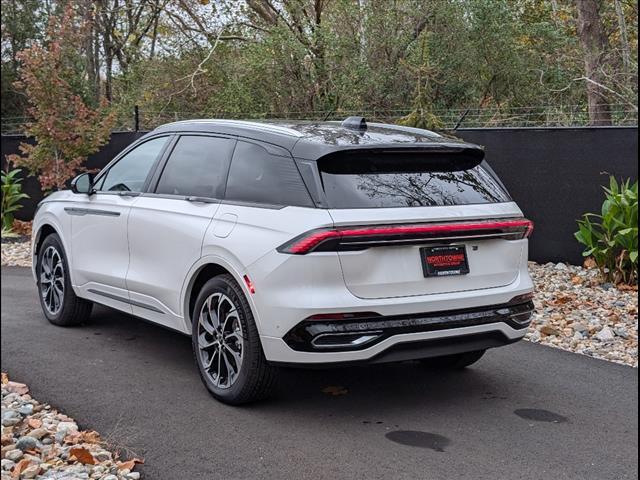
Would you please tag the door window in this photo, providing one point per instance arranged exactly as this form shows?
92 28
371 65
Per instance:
130 173
258 176
197 167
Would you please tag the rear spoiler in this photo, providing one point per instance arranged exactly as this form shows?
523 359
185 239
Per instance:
430 157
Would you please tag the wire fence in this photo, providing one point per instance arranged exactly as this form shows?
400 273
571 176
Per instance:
528 116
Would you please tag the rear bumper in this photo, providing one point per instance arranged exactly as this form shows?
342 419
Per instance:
402 337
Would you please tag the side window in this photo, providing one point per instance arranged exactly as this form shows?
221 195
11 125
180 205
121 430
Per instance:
131 171
197 167
260 177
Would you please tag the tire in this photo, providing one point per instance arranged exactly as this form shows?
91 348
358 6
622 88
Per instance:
457 361
220 347
59 303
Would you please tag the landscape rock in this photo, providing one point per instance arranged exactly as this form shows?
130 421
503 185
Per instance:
576 312
28 453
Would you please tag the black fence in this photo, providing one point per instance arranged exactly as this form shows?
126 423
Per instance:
555 175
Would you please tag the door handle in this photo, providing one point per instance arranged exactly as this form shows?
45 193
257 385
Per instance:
201 200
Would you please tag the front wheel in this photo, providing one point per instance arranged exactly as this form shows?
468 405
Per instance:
454 362
59 302
226 344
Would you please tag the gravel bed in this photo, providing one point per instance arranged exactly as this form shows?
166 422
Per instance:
574 310
40 442
16 252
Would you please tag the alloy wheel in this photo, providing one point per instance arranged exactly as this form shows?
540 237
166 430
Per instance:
220 340
52 280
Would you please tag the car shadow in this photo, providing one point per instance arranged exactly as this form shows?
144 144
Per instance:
308 392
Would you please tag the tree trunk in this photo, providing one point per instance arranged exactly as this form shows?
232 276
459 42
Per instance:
594 44
624 37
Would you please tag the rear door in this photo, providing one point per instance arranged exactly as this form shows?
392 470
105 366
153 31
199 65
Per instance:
414 189
167 226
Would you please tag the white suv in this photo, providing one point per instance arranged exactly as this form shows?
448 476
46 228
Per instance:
293 244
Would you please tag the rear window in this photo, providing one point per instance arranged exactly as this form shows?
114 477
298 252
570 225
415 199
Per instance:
382 180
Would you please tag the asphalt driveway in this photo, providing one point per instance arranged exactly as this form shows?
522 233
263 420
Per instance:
524 411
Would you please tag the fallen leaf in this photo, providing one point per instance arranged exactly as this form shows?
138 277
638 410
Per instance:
15 387
563 299
20 466
335 390
73 438
82 455
34 423
549 330
129 464
90 436
577 280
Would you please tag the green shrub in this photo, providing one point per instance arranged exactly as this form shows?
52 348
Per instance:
11 196
611 238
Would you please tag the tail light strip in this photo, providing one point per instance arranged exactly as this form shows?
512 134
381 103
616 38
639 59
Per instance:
362 237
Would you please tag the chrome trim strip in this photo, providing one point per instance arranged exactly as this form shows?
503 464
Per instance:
361 338
126 300
90 211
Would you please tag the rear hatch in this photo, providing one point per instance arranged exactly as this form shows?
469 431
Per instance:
391 208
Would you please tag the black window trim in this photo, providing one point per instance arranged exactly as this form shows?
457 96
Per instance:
155 179
124 153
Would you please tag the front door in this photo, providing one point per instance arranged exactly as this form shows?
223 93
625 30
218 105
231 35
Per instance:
99 244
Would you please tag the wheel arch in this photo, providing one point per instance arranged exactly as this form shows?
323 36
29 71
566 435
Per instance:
202 272
43 230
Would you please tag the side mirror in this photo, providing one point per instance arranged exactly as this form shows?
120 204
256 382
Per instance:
83 183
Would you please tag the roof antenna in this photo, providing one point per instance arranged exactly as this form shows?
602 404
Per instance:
461 119
355 123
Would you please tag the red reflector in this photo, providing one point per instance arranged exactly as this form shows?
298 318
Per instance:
530 228
249 283
309 241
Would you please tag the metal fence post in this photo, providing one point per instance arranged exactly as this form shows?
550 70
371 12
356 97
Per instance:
136 118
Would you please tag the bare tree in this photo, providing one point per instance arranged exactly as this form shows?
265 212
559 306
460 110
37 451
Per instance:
595 45
624 37
124 24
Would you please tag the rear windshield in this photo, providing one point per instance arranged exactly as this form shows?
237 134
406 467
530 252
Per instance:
380 180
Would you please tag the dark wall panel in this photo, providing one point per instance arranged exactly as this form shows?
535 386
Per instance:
10 144
554 174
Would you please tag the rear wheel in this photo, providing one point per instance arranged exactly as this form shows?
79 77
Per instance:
454 362
59 303
226 344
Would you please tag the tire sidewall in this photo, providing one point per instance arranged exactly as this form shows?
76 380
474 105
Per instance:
224 286
53 240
